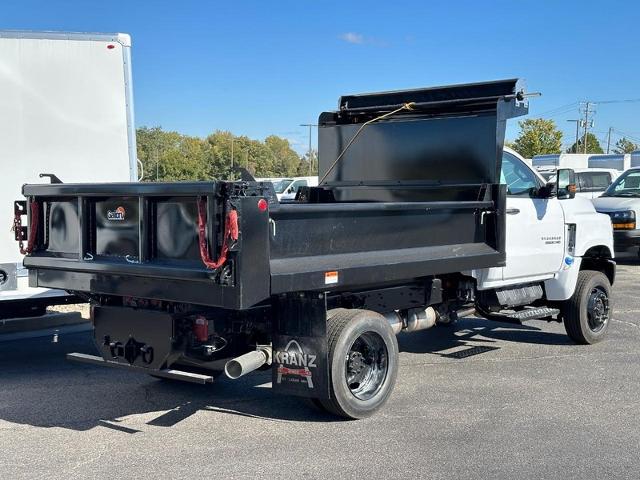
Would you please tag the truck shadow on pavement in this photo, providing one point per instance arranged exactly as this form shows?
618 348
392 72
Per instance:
478 334
40 388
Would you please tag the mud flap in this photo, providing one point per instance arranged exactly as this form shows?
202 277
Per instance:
300 357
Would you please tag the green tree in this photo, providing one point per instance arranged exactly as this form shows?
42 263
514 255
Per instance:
537 137
625 146
170 156
593 145
286 160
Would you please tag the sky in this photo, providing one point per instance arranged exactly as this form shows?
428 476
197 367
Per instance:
264 67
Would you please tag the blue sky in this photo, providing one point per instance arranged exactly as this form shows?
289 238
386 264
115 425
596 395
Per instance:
264 67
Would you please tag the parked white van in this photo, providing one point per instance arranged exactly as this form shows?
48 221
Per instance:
287 188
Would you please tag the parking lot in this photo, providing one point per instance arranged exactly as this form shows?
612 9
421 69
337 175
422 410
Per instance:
530 405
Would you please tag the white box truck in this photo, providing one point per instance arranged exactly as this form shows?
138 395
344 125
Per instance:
560 160
67 110
620 162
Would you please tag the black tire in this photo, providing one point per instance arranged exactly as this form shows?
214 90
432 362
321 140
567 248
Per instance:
587 314
348 333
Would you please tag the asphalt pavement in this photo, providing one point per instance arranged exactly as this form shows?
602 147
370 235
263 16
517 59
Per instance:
526 404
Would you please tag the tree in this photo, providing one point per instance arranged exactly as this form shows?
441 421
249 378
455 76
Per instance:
625 146
537 137
170 156
593 145
286 161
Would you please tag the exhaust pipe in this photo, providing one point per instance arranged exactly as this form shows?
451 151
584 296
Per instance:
247 363
417 319
395 320
420 319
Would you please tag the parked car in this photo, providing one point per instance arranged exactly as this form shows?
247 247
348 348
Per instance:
621 201
287 188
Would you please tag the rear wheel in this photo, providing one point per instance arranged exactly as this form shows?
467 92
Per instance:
587 313
363 363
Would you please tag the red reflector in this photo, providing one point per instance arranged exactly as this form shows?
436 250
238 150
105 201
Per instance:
111 46
201 329
262 205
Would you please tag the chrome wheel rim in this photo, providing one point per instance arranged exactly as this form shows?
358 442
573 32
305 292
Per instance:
597 309
366 365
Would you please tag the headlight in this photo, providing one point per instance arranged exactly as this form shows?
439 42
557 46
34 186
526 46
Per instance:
624 220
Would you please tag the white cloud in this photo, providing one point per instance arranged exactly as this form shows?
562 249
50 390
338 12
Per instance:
352 37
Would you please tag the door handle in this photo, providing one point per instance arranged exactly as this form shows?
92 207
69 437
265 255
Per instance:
513 211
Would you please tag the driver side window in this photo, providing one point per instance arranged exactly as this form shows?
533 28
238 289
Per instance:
520 180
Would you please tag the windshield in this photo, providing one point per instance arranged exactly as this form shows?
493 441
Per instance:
281 185
627 185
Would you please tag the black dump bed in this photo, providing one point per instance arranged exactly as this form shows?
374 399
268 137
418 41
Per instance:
412 194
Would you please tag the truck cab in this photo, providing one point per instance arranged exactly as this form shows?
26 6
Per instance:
551 235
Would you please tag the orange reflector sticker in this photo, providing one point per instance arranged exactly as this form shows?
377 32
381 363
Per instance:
330 278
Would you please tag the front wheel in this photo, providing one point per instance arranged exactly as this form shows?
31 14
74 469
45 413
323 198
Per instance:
363 363
587 313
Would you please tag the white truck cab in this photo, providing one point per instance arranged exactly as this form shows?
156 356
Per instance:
550 239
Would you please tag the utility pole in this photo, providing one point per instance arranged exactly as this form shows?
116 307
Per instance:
609 139
310 125
578 123
232 140
587 111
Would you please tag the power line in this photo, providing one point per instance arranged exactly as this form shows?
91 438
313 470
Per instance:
626 135
569 106
627 100
553 111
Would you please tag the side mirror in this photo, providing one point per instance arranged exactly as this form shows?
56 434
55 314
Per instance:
290 190
566 183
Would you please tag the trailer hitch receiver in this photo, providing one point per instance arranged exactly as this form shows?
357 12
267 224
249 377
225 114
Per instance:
130 351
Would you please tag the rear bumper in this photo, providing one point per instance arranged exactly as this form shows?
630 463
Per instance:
624 240
164 373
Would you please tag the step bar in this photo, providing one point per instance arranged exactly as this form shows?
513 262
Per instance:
166 373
